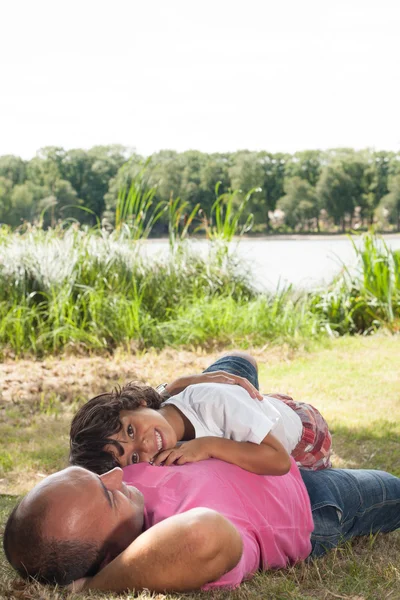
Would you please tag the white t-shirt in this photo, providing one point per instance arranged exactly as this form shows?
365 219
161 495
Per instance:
228 411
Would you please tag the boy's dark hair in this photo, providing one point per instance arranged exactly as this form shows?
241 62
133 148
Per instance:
98 419
47 560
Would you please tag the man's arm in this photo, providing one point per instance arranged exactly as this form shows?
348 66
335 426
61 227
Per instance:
180 554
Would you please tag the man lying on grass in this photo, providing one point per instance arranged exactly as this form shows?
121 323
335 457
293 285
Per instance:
200 525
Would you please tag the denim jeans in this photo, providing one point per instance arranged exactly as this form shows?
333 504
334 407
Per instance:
347 503
235 365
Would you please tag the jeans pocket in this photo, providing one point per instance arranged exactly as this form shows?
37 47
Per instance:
328 529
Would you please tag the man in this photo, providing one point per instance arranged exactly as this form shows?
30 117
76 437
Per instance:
206 524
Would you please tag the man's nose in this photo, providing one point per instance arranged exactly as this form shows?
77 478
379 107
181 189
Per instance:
113 479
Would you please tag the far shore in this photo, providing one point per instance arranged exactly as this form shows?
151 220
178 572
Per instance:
289 236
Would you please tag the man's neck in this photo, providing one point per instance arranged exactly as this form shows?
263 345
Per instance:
183 428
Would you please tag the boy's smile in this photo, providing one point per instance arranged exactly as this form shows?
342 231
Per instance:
144 433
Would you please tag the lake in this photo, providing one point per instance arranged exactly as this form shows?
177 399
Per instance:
303 262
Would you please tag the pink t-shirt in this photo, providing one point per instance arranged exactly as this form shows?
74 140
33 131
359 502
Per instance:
272 514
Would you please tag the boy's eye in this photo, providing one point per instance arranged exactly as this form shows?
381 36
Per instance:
130 431
135 459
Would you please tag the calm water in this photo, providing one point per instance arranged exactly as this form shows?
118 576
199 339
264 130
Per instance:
305 263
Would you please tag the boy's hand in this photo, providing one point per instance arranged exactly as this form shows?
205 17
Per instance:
213 377
187 452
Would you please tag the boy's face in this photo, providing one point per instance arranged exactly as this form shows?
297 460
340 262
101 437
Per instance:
144 433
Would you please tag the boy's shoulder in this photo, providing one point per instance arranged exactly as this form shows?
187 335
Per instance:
213 391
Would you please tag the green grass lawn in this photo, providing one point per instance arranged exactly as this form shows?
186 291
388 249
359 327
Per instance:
355 382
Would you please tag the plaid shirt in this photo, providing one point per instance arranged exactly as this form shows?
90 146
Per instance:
313 452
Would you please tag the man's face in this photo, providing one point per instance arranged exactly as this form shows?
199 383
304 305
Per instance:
144 433
85 506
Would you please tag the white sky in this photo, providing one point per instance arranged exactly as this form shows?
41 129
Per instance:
215 75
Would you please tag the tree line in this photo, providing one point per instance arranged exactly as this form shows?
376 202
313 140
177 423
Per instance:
305 191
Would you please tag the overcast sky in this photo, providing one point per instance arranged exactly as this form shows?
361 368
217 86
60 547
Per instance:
215 75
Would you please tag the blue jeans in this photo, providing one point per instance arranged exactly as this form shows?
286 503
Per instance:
348 502
345 502
236 365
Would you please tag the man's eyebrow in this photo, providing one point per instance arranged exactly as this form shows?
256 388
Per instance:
106 492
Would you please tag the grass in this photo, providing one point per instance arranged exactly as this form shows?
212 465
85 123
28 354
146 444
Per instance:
89 290
353 380
367 297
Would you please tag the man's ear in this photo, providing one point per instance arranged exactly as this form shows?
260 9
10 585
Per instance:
143 403
113 551
106 560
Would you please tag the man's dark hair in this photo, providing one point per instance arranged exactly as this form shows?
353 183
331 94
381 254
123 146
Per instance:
98 419
47 560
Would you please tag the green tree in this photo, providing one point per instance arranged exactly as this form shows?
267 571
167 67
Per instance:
263 171
62 202
300 203
90 173
46 166
25 202
391 202
6 186
192 163
165 172
378 174
357 168
214 170
13 168
306 164
335 192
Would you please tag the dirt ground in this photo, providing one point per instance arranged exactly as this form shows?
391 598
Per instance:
72 378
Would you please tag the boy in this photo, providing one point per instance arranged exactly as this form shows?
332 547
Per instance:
221 421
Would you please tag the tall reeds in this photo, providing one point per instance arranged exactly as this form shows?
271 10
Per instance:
366 297
91 289
135 210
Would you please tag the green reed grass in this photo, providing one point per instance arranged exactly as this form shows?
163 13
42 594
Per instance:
92 290
241 322
367 297
224 222
135 210
179 221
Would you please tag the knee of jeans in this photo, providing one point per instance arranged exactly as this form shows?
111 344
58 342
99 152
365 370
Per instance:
244 355
376 487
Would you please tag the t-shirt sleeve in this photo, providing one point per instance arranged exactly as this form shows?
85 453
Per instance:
248 564
233 413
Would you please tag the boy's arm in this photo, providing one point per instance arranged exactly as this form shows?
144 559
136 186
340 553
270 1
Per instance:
181 553
267 458
178 385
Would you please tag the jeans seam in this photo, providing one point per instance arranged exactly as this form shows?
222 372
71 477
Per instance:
373 507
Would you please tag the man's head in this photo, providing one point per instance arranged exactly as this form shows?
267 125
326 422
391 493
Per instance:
94 439
72 524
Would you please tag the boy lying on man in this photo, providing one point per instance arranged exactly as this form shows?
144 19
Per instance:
134 424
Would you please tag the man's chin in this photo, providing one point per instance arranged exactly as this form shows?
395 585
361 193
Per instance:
135 496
